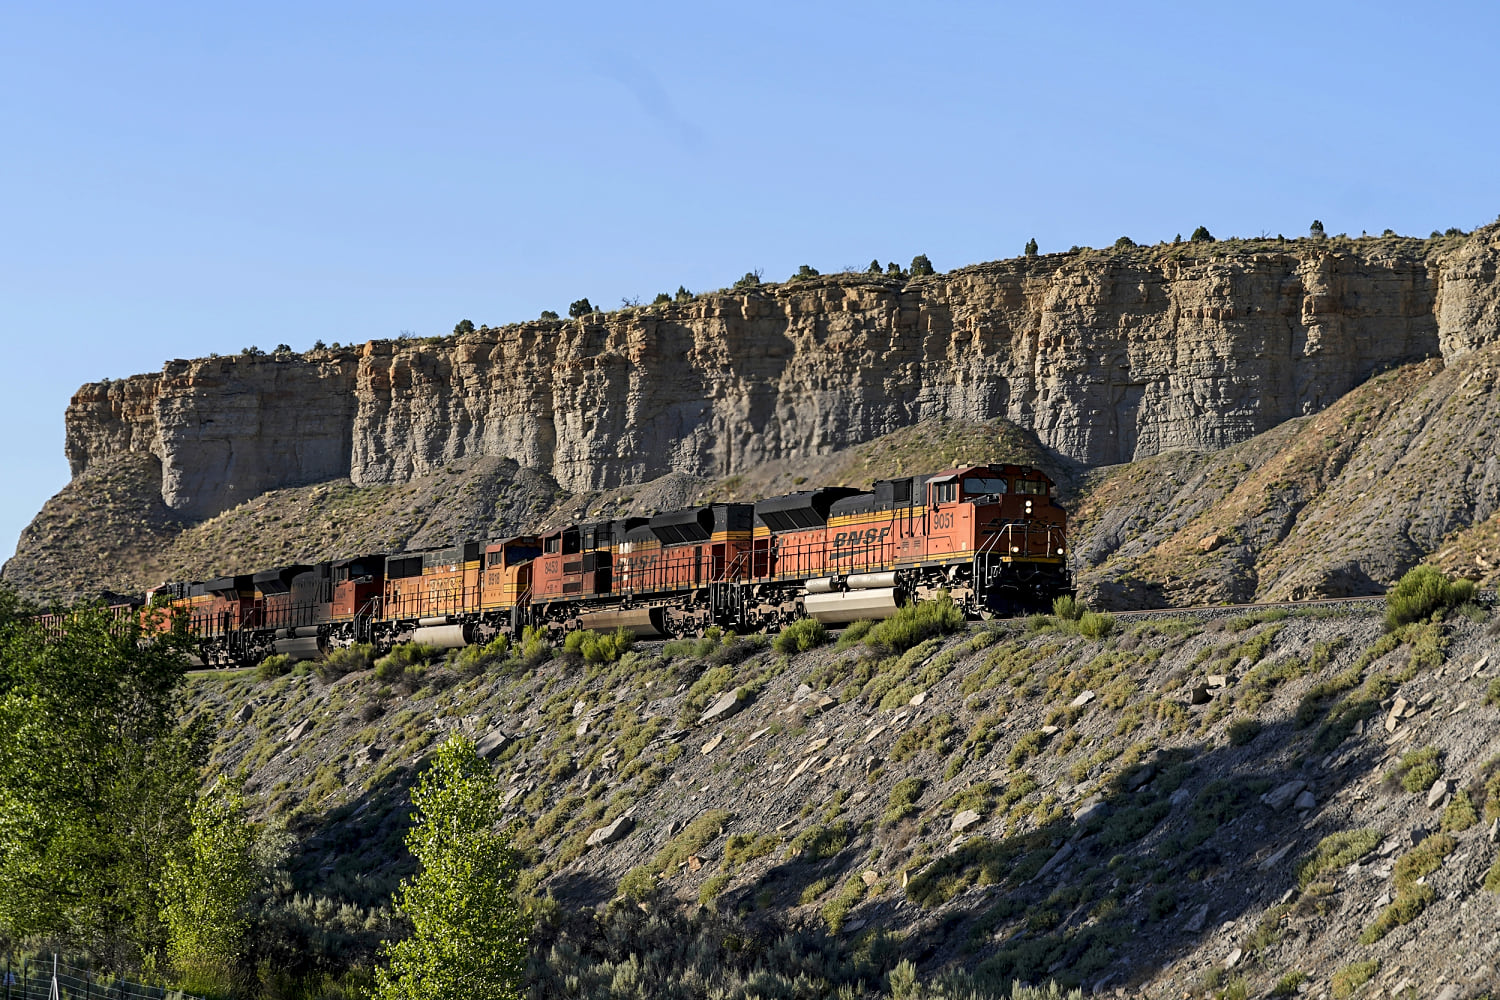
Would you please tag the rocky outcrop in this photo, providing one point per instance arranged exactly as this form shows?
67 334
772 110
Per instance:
1469 300
1107 357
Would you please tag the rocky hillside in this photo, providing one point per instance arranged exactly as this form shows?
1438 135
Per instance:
1190 806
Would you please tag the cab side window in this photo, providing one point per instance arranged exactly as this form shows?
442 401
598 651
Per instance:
945 492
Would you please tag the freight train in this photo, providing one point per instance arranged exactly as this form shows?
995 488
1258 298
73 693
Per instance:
990 536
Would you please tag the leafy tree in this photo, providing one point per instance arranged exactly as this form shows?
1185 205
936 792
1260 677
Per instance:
468 931
318 345
805 271
874 267
580 308
1031 247
894 270
1453 231
1124 243
96 774
662 298
750 280
1316 230
921 266
549 314
205 890
1202 235
683 295
282 349
1177 238
463 326
255 352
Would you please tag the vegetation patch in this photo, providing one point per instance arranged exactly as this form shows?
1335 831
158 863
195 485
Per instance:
1422 592
1335 851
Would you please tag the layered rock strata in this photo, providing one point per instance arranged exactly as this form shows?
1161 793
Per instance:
1107 357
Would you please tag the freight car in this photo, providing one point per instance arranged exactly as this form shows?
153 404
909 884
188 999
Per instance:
989 536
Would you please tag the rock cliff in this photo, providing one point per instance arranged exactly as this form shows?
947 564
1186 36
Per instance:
1106 356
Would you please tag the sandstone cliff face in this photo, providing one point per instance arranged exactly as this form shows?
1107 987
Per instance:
1106 357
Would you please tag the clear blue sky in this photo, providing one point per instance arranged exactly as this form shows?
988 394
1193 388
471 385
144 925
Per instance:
186 178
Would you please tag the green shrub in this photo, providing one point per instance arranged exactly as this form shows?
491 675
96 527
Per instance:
800 636
344 660
1201 235
1423 591
712 887
914 623
1335 851
742 848
595 647
921 266
1407 906
836 910
1067 607
1031 247
1417 769
1424 859
903 800
1460 814
854 633
1095 625
579 308
477 658
275 665
1287 985
1352 976
405 662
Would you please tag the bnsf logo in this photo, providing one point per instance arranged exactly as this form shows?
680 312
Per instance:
858 540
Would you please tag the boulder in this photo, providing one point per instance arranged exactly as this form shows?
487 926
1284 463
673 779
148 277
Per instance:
490 746
611 833
1284 794
1437 793
724 706
964 820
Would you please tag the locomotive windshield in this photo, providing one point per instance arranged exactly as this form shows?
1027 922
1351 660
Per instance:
1035 486
974 485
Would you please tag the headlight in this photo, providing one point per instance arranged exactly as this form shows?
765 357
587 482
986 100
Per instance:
1059 551
1015 548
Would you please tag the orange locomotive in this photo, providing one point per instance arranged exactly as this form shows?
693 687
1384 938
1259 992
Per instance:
990 536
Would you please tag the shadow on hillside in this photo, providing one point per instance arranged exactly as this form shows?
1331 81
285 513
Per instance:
1179 845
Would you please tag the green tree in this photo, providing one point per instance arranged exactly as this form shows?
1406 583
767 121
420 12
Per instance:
1202 235
464 326
580 308
1124 243
549 314
468 930
1031 247
1316 230
805 271
205 890
921 266
894 270
874 267
750 280
96 774
683 295
662 298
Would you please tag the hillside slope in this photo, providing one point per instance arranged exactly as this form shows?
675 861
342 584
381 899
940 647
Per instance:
1142 810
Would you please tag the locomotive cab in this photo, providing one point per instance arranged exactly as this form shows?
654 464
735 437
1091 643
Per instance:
507 570
358 585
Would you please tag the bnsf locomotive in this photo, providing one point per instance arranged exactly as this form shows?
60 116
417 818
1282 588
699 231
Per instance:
989 536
